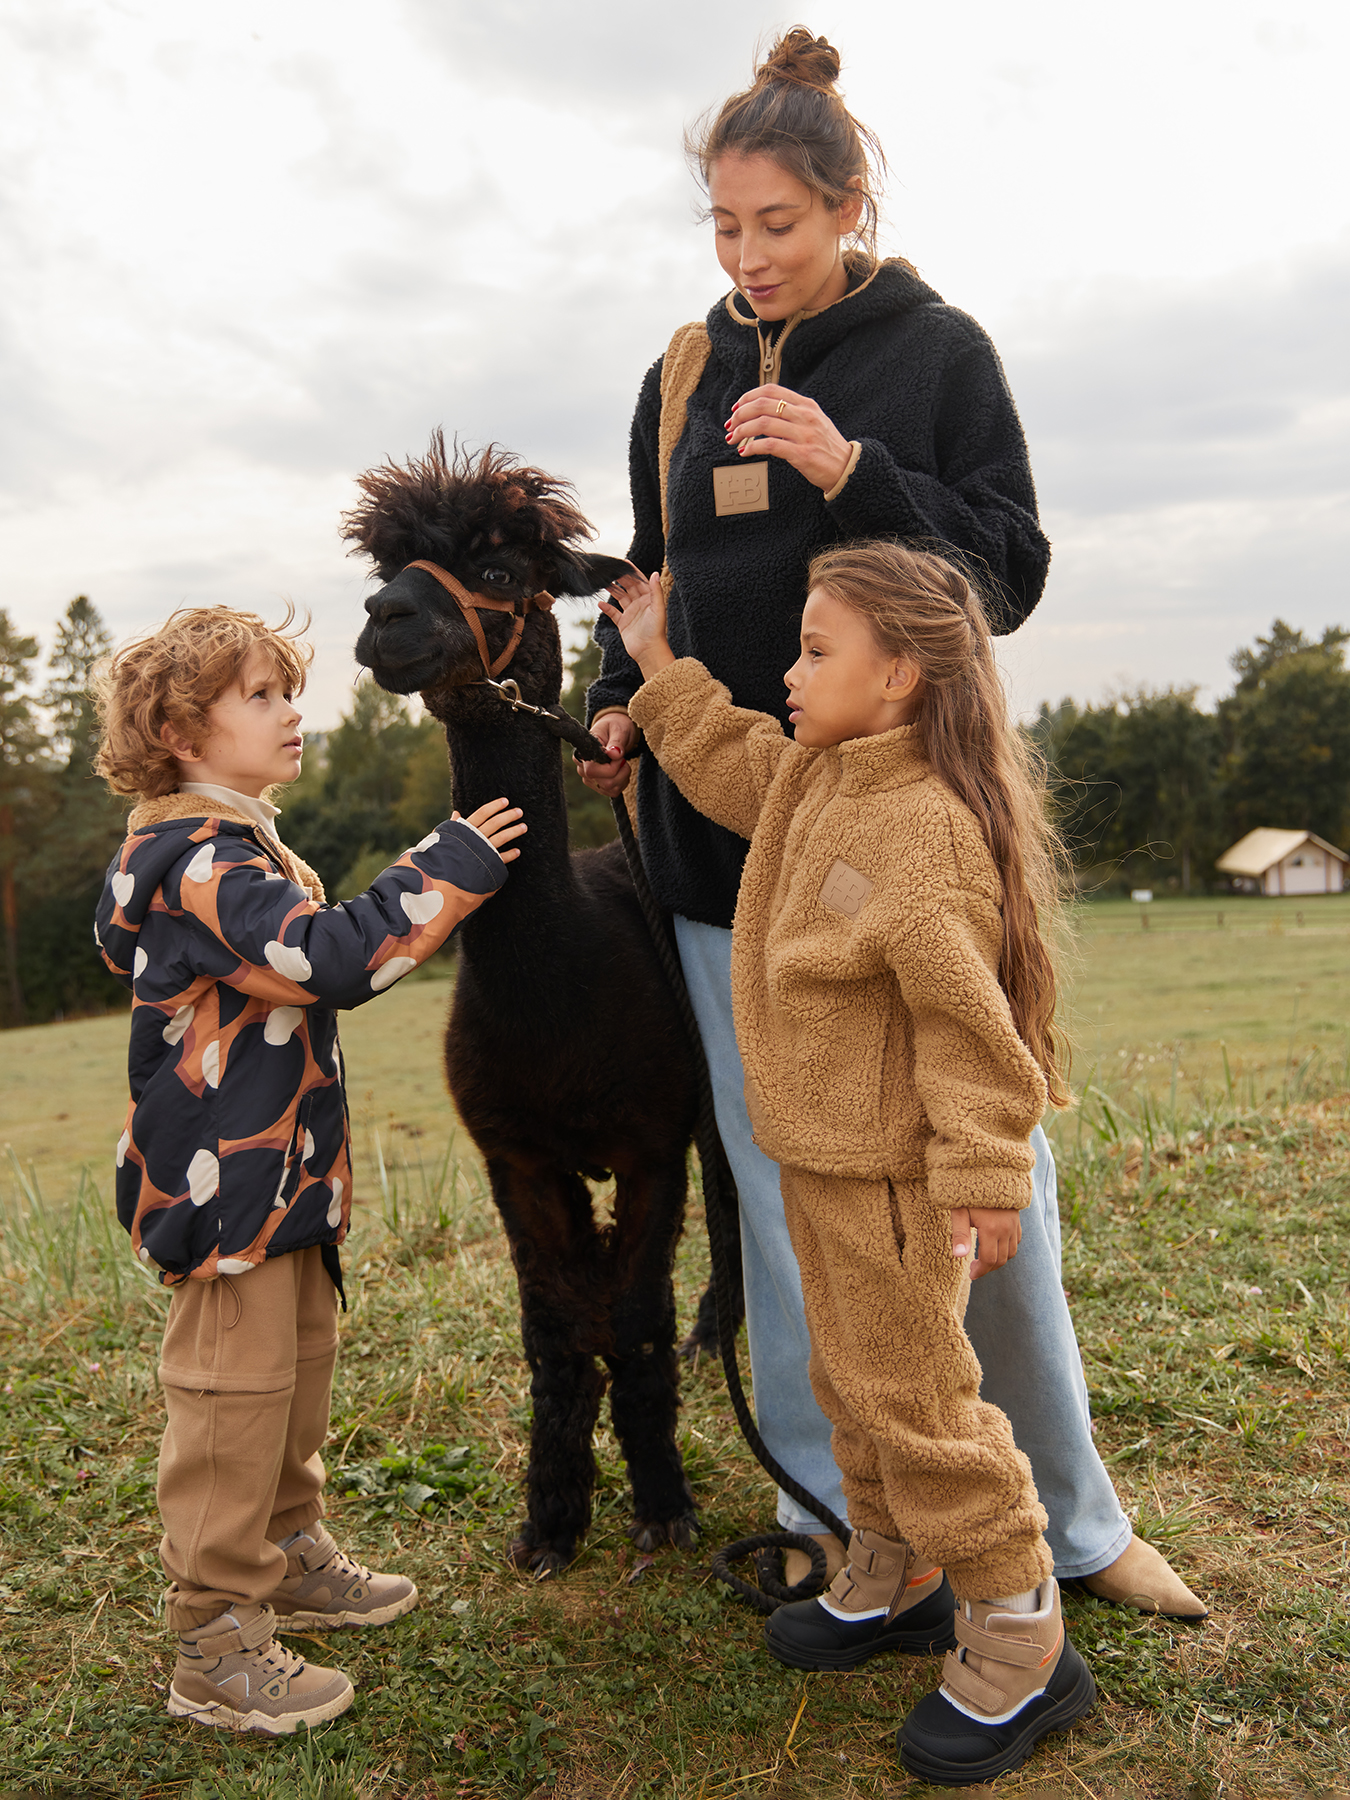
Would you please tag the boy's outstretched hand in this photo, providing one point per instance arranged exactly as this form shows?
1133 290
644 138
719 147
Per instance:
641 618
499 822
999 1232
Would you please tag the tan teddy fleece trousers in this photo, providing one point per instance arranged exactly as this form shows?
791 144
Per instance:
922 1456
247 1369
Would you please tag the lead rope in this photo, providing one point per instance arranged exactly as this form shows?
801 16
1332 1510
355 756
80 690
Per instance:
719 1202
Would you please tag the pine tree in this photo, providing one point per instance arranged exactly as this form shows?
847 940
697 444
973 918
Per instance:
82 640
23 765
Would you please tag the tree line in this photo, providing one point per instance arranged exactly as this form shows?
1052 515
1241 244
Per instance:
1150 789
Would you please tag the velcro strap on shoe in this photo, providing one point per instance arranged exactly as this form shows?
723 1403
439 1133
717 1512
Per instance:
973 1689
249 1636
319 1555
1014 1651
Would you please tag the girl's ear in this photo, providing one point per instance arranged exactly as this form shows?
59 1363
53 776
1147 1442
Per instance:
903 679
850 209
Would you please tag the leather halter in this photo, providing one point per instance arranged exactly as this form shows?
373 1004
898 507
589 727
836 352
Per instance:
472 604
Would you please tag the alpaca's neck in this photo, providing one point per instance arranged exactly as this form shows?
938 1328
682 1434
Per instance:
519 928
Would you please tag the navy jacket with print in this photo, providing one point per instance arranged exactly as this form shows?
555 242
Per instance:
237 1145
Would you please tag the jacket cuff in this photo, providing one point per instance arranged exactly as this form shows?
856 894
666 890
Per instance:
604 713
849 467
1002 1190
684 676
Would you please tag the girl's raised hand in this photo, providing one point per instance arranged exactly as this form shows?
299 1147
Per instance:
499 822
638 608
773 421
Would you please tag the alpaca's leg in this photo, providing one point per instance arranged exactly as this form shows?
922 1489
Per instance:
554 1245
644 1395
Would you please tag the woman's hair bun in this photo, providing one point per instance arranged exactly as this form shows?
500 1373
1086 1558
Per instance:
801 57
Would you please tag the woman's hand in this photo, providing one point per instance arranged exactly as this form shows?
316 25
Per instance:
641 620
498 822
999 1231
617 732
773 421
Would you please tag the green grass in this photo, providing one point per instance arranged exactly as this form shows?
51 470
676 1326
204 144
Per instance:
1215 992
1206 1244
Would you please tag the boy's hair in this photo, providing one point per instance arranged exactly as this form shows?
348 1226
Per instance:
920 605
170 677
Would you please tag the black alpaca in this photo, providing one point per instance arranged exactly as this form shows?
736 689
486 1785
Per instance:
564 1052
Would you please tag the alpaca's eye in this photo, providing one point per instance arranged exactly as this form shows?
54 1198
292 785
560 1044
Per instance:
497 577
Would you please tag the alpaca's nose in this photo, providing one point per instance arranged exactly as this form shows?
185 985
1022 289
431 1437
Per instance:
386 606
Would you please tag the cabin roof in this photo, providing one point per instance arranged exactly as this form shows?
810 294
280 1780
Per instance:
1262 849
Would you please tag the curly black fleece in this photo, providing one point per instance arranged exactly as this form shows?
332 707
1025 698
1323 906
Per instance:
920 386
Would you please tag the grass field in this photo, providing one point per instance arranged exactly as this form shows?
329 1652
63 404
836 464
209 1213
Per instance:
1207 1241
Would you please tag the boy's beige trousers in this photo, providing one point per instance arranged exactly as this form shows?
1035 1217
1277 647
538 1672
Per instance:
247 1369
922 1456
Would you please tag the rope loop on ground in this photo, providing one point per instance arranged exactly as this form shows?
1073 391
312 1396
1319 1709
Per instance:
767 1549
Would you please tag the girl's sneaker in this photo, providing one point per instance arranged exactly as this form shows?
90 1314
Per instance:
1012 1680
232 1673
323 1588
883 1598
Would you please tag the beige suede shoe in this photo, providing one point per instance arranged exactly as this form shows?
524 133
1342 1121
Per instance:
324 1589
797 1564
1143 1578
232 1673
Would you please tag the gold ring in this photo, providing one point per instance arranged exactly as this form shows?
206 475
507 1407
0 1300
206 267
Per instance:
780 409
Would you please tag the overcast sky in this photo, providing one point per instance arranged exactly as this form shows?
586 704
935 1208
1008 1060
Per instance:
252 246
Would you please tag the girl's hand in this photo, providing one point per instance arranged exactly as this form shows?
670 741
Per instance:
800 433
641 619
617 732
1000 1232
499 822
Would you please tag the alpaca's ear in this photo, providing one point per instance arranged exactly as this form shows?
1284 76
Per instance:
586 574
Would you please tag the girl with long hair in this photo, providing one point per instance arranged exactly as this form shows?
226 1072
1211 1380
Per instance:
894 1001
831 396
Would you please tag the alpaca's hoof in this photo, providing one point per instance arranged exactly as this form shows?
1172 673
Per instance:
650 1534
539 1560
698 1345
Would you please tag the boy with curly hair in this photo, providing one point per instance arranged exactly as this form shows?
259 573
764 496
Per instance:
234 1170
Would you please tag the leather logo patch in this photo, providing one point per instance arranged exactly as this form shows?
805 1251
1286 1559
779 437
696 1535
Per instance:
845 890
741 488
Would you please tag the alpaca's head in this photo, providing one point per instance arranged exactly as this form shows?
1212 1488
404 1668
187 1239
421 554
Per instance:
500 528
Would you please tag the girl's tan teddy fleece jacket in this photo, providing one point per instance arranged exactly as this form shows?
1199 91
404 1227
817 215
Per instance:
876 1039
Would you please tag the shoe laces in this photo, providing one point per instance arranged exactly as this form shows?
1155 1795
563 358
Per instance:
276 1659
339 1563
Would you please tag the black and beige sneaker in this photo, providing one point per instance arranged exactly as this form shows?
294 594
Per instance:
884 1598
232 1673
323 1588
1013 1679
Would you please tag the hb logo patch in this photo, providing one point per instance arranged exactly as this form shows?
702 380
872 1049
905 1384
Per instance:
845 890
741 488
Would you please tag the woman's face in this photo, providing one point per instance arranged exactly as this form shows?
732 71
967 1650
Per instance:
776 238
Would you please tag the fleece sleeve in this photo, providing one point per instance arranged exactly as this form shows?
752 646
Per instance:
620 678
981 500
979 1084
258 932
723 758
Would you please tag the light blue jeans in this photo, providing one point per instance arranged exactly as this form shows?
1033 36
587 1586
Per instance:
1018 1318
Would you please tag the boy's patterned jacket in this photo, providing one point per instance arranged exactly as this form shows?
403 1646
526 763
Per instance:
237 1144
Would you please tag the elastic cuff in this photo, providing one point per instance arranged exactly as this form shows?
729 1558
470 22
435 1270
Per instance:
849 467
604 713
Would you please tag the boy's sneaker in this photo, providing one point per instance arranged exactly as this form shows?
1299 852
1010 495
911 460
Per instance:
232 1673
882 1599
1012 1680
323 1588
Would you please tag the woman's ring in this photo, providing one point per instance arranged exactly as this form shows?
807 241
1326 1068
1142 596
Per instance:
780 409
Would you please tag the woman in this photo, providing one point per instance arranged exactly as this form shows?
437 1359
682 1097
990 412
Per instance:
840 398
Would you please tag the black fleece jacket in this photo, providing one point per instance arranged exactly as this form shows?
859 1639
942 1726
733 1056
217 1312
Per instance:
921 388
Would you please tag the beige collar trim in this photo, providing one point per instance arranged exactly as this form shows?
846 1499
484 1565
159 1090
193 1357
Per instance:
890 759
184 804
261 812
798 317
